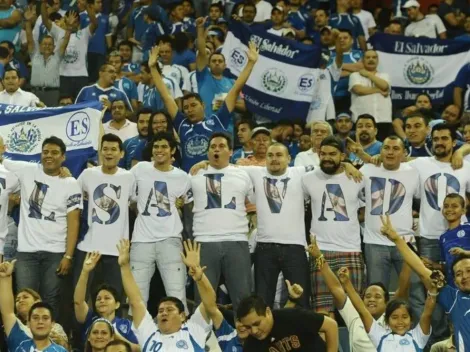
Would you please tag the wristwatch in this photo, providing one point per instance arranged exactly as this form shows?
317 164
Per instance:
68 257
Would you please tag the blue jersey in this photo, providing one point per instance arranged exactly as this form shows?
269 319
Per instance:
209 87
97 42
227 338
458 237
239 154
127 86
186 25
20 67
463 81
95 93
342 86
195 136
152 99
123 326
347 21
457 304
149 38
129 147
136 21
373 149
297 20
18 341
123 8
185 58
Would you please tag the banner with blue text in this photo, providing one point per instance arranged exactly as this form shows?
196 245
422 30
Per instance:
418 65
282 84
25 128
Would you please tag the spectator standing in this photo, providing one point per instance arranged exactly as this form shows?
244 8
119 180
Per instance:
452 17
13 94
122 82
50 216
177 73
344 20
156 241
423 26
73 68
153 31
125 51
244 131
370 94
417 131
101 40
261 140
131 144
178 22
366 18
10 23
104 91
45 62
263 10
13 62
335 204
278 21
343 127
366 136
119 125
296 18
319 131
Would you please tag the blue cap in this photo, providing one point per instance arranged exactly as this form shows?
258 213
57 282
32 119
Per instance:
131 68
343 114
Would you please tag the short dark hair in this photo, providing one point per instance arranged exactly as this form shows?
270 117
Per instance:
165 39
224 135
426 95
125 43
218 5
442 127
4 53
38 305
104 66
368 117
457 260
327 13
55 16
192 95
456 196
106 287
10 45
345 30
165 136
55 141
144 111
249 3
333 141
176 301
119 343
245 121
11 69
112 138
394 137
394 304
419 115
382 286
250 303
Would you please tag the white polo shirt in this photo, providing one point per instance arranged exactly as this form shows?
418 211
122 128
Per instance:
20 97
126 132
307 158
430 26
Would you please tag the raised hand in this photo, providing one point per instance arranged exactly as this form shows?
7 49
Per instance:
253 52
295 290
91 259
153 57
200 21
7 268
343 275
29 14
313 247
353 146
192 258
387 228
123 249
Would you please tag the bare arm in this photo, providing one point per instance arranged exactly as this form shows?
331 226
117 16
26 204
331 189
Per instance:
398 128
363 90
7 301
403 282
93 20
362 42
45 16
330 328
355 67
73 224
379 82
29 36
429 305
11 21
201 59
458 96
65 43
233 94
79 297
443 35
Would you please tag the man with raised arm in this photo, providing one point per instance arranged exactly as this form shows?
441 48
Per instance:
193 127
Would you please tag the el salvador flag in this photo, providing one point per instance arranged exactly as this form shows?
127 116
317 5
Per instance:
282 81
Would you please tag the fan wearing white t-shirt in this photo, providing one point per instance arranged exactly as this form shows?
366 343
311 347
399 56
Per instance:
156 240
108 189
73 67
50 216
220 221
335 203
389 189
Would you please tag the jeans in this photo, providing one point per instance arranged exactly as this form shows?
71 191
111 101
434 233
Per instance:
37 270
273 258
232 260
380 260
108 267
11 241
440 329
146 256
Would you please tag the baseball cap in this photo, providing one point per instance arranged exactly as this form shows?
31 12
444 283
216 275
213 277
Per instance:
411 3
277 8
343 114
287 31
325 28
258 130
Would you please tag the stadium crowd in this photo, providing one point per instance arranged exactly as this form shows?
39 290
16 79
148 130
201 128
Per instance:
203 226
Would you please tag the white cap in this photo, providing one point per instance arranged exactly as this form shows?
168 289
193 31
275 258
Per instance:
411 3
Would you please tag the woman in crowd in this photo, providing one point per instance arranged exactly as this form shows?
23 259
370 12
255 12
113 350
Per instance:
106 302
100 333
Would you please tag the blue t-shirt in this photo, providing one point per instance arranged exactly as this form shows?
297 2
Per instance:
136 21
372 150
463 81
458 237
149 38
239 154
127 86
184 58
18 341
457 304
94 92
20 67
347 21
123 326
297 20
195 136
187 26
342 86
129 147
228 338
152 98
209 87
97 42
123 8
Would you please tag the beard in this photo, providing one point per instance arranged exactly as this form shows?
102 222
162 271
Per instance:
329 167
365 137
441 153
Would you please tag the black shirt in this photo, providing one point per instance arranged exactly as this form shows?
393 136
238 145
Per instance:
293 330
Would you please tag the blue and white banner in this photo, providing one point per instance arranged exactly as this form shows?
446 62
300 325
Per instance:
418 65
24 129
282 84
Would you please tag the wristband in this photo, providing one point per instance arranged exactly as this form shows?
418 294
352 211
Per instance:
433 294
68 257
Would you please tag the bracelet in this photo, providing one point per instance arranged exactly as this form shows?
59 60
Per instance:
68 257
319 262
433 294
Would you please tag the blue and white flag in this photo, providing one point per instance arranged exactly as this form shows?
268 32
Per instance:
418 65
25 128
282 84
